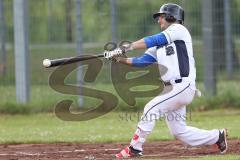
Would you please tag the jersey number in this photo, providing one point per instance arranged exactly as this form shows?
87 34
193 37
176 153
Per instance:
169 50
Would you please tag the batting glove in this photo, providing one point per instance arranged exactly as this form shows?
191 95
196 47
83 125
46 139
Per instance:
126 46
114 53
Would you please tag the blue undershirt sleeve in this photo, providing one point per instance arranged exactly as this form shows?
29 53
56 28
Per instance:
156 40
143 61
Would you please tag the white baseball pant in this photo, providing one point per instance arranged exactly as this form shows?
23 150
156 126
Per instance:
171 104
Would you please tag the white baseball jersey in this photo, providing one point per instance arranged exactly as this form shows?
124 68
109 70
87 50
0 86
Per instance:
177 56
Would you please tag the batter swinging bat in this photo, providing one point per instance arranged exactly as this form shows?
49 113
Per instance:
47 63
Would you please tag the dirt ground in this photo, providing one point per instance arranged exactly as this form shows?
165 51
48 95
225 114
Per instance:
105 151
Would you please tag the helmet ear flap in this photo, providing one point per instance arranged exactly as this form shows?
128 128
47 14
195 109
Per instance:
170 18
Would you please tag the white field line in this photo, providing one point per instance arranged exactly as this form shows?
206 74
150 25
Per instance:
3 154
47 153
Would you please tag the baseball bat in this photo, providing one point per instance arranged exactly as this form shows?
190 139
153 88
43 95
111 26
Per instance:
47 63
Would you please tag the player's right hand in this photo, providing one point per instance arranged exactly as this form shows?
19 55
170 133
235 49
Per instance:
114 53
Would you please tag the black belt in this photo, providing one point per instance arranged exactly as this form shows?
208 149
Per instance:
168 83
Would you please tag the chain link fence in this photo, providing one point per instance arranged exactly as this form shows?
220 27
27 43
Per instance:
52 32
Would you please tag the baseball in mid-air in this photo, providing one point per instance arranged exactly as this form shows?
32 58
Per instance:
46 62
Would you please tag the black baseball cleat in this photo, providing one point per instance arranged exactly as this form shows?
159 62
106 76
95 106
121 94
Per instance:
128 152
222 141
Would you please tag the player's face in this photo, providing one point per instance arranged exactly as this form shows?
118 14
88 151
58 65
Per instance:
162 22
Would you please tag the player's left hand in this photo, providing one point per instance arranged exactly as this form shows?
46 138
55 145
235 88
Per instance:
126 46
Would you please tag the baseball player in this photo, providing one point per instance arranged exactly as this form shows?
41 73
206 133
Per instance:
171 48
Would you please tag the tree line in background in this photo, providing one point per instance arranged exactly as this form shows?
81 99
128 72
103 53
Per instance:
54 20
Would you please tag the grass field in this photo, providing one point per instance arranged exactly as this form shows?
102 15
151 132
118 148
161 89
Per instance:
220 157
43 98
113 127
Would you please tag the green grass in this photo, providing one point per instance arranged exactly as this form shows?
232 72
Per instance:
113 127
43 98
219 157
210 157
227 96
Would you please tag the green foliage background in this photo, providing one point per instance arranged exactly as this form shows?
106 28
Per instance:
134 19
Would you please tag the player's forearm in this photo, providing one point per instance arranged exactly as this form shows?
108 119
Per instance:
138 45
142 61
127 61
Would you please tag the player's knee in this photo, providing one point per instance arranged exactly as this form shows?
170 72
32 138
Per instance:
150 117
177 134
151 108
